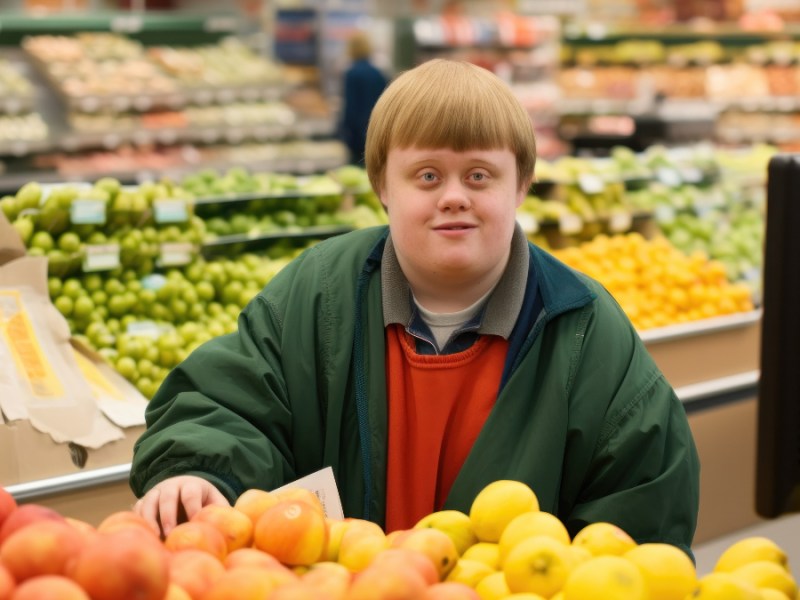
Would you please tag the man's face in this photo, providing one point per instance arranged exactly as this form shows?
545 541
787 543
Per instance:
451 213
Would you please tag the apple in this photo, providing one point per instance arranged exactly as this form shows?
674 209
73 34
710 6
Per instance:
42 548
197 535
294 532
235 526
129 563
49 586
8 504
194 571
24 515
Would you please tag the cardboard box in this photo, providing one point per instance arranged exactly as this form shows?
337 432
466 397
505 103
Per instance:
62 409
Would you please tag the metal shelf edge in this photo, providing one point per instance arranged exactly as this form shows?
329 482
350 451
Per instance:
68 483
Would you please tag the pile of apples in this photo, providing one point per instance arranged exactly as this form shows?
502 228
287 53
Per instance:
280 546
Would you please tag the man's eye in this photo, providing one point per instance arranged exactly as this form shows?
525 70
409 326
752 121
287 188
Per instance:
428 177
478 176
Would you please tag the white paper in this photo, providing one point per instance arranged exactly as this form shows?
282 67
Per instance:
323 484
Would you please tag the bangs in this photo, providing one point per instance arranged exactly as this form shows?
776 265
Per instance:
449 104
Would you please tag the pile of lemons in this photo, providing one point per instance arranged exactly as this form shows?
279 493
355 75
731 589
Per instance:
509 548
655 283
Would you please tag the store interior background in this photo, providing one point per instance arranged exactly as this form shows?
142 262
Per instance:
581 101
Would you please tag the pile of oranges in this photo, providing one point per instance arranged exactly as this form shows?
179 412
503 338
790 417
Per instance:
655 283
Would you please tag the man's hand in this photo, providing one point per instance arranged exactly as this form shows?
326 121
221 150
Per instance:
176 497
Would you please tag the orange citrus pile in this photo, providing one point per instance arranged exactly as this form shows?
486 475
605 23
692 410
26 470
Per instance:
655 283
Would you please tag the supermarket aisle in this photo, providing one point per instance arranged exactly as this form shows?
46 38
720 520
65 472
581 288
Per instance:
784 531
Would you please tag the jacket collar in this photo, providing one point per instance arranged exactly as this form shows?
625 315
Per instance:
501 310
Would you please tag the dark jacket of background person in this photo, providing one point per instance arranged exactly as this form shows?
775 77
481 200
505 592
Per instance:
363 84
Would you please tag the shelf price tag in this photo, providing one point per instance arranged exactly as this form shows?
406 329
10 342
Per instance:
669 177
664 213
620 221
170 211
175 254
89 211
148 329
528 222
591 183
101 257
127 24
570 224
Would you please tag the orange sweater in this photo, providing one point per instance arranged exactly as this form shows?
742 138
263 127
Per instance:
437 407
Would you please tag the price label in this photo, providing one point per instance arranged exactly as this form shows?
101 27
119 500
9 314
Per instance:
620 221
528 223
170 211
691 174
87 212
664 213
669 177
154 281
126 24
570 224
101 257
148 329
175 254
591 183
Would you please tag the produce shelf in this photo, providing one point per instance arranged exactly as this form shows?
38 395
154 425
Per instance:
254 240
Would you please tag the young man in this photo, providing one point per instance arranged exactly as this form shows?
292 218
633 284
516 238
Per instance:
426 360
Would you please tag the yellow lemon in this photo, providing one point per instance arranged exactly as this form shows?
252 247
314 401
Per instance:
525 596
498 503
723 586
455 524
604 538
580 554
530 524
607 577
668 571
485 552
767 574
539 565
750 550
493 587
469 572
772 594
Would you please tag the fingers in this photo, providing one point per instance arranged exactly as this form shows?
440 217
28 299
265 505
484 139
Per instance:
177 499
167 502
147 507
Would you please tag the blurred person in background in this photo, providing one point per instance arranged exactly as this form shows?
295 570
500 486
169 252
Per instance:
363 85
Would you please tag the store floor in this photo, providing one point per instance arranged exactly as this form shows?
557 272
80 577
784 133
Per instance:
784 531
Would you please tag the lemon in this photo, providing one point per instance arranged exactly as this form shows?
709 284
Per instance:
604 538
580 554
607 577
485 552
493 587
772 594
750 550
539 565
529 524
767 574
497 504
455 524
525 596
668 571
469 572
723 586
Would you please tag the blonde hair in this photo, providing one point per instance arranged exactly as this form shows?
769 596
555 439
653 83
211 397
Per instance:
449 104
359 46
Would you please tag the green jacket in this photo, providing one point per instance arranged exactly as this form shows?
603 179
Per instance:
584 416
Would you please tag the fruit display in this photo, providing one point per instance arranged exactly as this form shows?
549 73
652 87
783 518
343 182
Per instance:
709 201
127 265
655 283
14 85
280 545
113 66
